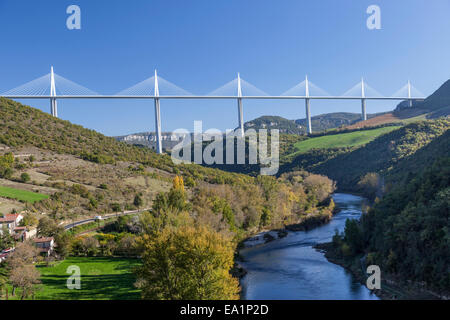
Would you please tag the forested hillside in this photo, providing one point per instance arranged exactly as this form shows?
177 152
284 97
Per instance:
384 154
407 233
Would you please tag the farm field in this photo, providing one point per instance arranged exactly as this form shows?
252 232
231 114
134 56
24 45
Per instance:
101 279
23 195
350 139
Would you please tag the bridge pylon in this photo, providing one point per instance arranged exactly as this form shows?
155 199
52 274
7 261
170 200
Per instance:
409 94
307 107
157 117
240 107
53 103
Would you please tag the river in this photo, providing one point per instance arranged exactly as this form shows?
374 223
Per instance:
290 268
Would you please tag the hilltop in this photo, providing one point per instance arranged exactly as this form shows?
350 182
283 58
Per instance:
319 123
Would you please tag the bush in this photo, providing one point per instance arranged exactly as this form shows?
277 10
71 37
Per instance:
25 177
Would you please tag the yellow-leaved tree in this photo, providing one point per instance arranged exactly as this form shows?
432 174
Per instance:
191 263
178 183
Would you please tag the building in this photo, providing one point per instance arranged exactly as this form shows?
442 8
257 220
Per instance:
45 245
11 221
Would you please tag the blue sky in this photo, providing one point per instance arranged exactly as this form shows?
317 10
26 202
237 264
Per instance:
202 44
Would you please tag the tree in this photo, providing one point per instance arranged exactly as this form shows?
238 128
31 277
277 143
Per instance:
29 219
25 177
22 273
25 277
47 227
178 183
370 185
187 263
138 202
4 277
353 235
6 163
6 240
63 239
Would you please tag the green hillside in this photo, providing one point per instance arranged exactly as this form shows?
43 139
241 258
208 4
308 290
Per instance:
351 139
384 153
22 195
21 125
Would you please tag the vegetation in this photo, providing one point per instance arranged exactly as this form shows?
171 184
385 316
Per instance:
407 232
22 195
387 155
342 140
190 263
102 278
319 123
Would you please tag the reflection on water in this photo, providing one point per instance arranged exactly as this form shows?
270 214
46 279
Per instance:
290 268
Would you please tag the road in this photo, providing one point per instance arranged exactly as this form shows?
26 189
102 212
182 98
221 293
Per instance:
106 216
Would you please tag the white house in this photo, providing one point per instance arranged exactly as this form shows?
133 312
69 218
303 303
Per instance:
11 221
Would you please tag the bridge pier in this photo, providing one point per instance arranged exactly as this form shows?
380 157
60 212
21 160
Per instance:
308 116
363 101
241 117
54 107
307 107
158 126
363 110
157 117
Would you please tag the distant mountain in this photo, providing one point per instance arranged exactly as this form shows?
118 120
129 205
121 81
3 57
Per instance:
319 123
437 104
275 122
333 120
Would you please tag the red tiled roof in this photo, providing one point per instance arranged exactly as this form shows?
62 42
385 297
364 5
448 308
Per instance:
43 239
10 217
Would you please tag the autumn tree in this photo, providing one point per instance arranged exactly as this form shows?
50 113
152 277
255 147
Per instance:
23 273
190 263
370 185
6 163
25 277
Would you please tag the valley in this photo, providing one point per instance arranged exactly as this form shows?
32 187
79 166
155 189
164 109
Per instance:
54 173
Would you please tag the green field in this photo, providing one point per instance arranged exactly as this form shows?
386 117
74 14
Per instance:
24 195
350 139
101 279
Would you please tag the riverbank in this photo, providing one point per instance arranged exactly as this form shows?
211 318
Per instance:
391 288
289 268
266 236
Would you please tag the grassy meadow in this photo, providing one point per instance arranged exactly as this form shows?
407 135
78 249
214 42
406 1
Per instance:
102 278
350 139
21 195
